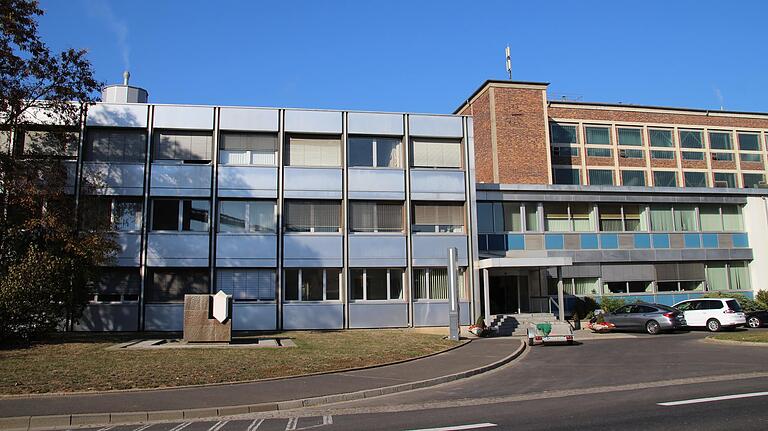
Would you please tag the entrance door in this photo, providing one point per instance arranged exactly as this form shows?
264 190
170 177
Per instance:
502 291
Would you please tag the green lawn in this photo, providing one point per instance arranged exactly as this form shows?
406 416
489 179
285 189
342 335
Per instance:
79 362
750 336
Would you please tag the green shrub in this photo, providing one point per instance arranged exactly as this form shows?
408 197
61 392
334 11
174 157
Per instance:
746 303
762 298
480 322
610 304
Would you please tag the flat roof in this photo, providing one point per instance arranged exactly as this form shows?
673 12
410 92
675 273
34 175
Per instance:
498 187
653 107
490 82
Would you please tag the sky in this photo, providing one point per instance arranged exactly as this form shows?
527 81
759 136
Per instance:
421 56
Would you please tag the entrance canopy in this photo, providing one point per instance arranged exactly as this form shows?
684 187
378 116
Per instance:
523 262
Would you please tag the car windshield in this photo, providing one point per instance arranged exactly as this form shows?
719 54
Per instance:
733 305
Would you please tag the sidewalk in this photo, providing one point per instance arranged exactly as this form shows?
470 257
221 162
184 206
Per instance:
475 357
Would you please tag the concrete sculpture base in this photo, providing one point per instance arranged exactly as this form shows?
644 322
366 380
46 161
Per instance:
199 324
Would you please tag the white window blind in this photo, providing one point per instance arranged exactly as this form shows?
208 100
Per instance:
248 149
376 216
247 284
438 218
438 154
312 216
183 145
314 152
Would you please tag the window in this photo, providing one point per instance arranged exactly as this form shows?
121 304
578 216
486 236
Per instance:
565 151
248 149
183 146
499 217
662 155
717 276
5 141
598 135
727 157
685 218
567 176
189 215
563 134
247 284
115 285
434 217
633 178
115 145
600 177
732 219
739 276
661 218
661 138
720 141
749 142
599 152
170 285
376 216
312 284
610 218
58 143
632 137
632 154
374 152
312 216
118 214
314 151
691 139
717 218
531 217
665 178
376 284
437 153
695 179
753 180
751 157
725 179
574 286
693 155
627 287
562 217
240 216
432 283
618 218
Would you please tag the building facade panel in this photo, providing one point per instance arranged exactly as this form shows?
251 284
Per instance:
392 315
430 184
368 123
376 184
246 250
307 183
325 122
183 117
114 115
313 316
180 180
435 126
247 181
177 249
249 119
126 179
374 250
317 251
432 249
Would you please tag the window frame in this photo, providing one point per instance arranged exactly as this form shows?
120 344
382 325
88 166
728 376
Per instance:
299 279
375 153
247 220
427 141
638 129
180 216
671 133
389 299
437 229
289 137
376 226
553 124
155 147
88 144
313 228
275 153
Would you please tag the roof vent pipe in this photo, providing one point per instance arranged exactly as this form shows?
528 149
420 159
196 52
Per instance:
124 93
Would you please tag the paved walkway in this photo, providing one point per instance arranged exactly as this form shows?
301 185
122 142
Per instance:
476 354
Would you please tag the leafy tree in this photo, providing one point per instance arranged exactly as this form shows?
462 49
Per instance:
46 264
746 303
610 304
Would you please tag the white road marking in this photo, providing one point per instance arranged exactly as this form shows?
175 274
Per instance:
713 399
255 424
106 428
327 420
143 427
291 425
180 426
459 427
218 426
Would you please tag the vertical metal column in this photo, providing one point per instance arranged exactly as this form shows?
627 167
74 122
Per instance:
214 207
453 295
409 281
343 291
145 215
560 299
487 296
279 221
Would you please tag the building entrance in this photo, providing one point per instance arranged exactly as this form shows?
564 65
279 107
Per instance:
509 294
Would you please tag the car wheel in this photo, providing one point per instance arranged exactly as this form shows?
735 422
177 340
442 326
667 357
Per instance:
530 342
754 322
713 325
652 327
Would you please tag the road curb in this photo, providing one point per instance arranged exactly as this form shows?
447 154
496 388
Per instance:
29 423
709 339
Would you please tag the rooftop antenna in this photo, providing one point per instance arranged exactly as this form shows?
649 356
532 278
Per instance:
509 63
126 77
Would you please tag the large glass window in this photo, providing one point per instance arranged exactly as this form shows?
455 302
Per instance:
661 138
665 178
732 219
662 155
248 149
632 154
57 143
599 152
725 157
531 216
685 218
171 284
633 178
562 217
720 141
598 135
717 276
312 216
432 283
600 177
725 179
376 216
314 151
312 284
692 155
617 218
610 218
116 285
567 176
695 179
243 216
629 136
753 180
717 218
189 215
565 151
691 139
436 153
183 146
374 152
438 217
563 134
376 284
118 214
751 157
749 142
247 284
661 218
115 145
739 276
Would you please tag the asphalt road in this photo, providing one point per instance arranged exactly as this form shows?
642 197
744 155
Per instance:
600 384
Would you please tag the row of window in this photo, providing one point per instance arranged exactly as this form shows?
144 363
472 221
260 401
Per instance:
240 148
301 284
499 217
122 214
657 137
631 177
655 154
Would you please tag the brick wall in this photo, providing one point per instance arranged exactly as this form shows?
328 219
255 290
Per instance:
661 117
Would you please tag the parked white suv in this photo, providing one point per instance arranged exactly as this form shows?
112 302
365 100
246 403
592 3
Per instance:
712 313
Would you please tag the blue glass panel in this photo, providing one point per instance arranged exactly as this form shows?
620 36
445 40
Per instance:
515 242
496 242
609 240
740 240
709 240
482 242
665 299
692 240
660 240
589 241
553 242
642 240
748 294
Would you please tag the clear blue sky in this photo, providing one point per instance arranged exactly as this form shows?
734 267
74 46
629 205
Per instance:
421 56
